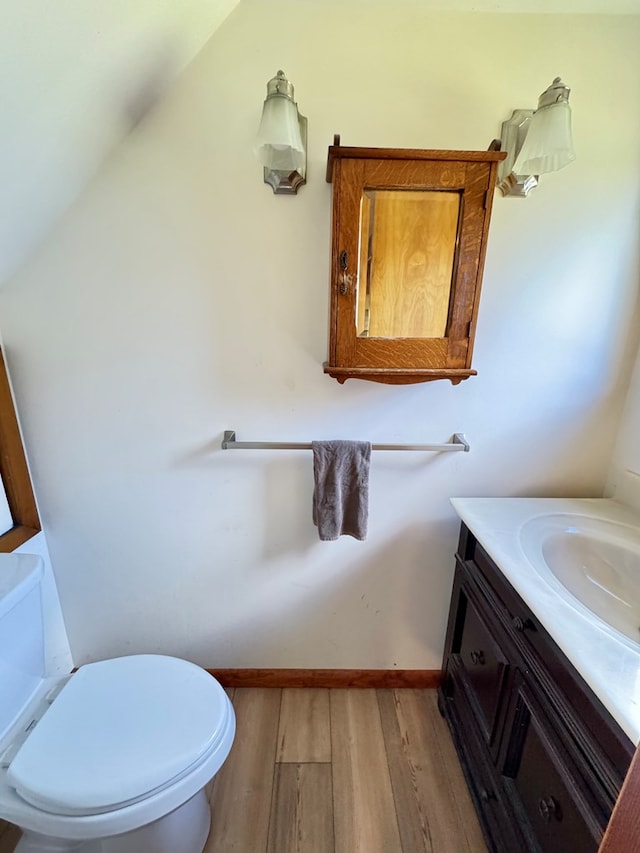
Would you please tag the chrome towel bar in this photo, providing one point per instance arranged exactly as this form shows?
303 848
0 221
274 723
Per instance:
458 442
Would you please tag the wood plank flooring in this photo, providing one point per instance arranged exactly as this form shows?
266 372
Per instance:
9 837
355 771
337 771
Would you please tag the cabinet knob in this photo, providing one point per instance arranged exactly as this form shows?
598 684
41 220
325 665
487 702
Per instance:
344 263
486 795
549 808
478 657
522 624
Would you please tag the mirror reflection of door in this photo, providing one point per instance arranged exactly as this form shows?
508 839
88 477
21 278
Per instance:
407 251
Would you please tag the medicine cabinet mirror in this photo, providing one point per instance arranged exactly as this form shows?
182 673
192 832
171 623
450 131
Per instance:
409 238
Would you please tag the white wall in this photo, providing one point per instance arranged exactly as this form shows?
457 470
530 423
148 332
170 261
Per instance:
179 298
624 473
75 78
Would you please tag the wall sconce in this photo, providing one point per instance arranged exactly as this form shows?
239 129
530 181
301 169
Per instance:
281 143
536 141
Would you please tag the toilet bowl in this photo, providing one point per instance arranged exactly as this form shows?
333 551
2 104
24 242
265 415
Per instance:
112 759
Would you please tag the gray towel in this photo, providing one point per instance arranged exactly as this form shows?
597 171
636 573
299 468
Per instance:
341 493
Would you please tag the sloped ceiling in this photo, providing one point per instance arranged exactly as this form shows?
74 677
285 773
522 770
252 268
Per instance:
75 76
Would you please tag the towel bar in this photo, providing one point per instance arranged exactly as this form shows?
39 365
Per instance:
458 442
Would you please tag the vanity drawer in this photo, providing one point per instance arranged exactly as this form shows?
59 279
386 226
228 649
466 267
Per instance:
493 807
555 808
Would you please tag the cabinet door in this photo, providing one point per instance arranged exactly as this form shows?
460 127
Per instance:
485 785
484 666
548 794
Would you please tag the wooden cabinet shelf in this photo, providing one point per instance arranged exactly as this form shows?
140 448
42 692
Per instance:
410 231
543 758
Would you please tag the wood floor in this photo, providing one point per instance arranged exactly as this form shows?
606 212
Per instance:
338 771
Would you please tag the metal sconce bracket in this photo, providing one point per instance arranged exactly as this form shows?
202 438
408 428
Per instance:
287 183
514 131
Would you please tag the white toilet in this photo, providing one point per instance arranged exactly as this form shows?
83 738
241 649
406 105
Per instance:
112 759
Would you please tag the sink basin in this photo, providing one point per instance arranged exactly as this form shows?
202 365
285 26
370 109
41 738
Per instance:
595 562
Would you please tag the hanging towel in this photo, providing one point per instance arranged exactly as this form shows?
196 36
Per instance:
341 493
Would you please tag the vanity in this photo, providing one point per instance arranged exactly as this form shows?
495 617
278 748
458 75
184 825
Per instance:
541 670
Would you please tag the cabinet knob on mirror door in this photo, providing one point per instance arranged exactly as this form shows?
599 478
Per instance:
478 657
344 263
549 808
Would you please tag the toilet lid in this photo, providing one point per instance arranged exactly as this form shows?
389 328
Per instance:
118 731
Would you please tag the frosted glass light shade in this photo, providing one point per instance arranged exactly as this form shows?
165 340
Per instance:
278 143
548 145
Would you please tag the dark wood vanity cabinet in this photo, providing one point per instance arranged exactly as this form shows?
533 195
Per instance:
543 758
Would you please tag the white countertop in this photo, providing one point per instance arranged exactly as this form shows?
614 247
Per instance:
609 665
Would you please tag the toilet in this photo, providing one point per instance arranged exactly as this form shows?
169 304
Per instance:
111 759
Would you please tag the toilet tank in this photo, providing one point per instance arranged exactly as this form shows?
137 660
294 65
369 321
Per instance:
21 634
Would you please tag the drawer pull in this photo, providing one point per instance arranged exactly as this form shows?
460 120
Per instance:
477 658
486 795
549 808
522 624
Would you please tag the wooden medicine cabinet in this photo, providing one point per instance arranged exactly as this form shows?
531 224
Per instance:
409 238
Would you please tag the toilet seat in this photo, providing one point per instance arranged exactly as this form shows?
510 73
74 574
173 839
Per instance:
118 732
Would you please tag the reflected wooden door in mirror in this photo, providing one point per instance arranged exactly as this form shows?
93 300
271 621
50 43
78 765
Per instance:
409 238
